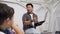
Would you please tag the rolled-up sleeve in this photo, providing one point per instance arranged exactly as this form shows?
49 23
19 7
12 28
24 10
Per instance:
35 16
24 18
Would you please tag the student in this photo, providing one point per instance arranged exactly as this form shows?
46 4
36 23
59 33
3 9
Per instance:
6 20
30 20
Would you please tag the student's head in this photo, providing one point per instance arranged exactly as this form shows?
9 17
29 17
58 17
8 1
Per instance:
6 15
29 7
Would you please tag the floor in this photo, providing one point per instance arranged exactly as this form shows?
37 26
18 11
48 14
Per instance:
47 33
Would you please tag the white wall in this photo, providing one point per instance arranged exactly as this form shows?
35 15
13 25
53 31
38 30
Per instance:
55 19
57 15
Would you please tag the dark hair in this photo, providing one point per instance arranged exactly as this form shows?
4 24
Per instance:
5 12
29 4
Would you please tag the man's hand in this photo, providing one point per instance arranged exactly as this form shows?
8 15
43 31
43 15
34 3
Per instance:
27 22
34 19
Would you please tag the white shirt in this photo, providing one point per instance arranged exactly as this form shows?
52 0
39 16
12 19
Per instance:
32 18
2 33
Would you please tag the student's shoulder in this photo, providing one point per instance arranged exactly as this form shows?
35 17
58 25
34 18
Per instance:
2 33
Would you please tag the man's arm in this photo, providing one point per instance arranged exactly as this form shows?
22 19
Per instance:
35 19
25 20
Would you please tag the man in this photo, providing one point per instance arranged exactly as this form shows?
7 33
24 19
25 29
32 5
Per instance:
6 20
30 20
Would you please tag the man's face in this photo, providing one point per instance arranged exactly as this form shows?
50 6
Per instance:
29 8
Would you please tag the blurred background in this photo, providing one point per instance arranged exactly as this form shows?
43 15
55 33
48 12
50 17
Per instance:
52 23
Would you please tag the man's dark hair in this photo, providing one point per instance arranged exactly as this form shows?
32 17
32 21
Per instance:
5 12
29 4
